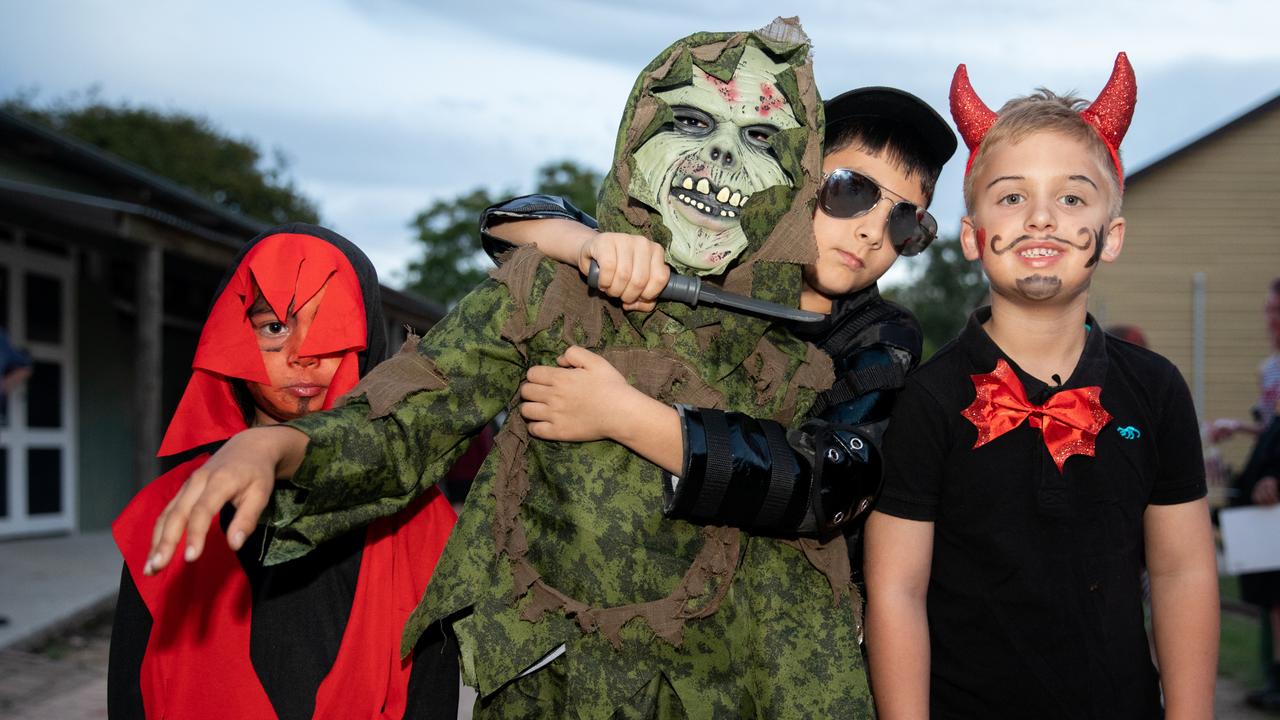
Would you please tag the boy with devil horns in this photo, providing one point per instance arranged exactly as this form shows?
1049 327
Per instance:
1034 464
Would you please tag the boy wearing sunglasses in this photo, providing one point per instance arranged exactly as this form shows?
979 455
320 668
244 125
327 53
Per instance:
884 149
1034 463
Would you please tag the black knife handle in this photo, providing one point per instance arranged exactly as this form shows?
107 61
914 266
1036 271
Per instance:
680 288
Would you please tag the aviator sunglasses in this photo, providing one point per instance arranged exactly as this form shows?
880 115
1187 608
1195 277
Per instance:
848 194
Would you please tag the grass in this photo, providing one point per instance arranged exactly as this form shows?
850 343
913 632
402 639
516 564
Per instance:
1238 651
1238 648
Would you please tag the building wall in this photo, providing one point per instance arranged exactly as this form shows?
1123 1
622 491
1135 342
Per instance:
106 478
1214 208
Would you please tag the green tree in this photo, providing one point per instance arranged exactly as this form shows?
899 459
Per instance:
451 262
185 148
943 293
570 180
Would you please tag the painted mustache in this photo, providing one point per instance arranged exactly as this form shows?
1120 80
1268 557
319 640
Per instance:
1085 244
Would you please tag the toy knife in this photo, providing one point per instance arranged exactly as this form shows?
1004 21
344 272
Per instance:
690 290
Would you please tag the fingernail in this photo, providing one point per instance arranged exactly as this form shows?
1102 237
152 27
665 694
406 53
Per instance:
154 562
237 539
148 569
190 554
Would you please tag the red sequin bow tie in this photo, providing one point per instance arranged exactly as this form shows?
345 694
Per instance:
1069 422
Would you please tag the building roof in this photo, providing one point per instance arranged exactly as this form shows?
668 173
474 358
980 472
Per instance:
1247 116
145 194
44 143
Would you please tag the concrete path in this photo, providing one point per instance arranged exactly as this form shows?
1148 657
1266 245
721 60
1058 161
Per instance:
35 687
53 583
73 685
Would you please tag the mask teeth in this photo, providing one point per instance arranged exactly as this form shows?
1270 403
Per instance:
698 192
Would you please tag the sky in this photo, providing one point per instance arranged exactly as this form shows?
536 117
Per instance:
384 106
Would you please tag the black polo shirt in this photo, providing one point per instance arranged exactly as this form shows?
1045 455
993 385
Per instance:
1035 604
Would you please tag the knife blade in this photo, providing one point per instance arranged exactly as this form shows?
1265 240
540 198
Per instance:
690 290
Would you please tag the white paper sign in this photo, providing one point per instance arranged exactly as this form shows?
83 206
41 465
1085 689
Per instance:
1250 538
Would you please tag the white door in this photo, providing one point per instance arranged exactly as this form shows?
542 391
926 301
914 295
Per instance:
37 430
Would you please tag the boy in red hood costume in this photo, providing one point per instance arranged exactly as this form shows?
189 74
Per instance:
295 324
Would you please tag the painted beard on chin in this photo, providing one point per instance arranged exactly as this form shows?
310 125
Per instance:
1039 287
700 172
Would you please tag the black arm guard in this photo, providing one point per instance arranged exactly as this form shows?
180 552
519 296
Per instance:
845 465
527 207
749 473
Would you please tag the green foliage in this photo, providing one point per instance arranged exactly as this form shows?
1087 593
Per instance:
943 294
1242 644
572 181
452 262
182 147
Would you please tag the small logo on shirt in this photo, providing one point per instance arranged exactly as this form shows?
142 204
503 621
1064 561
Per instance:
1129 432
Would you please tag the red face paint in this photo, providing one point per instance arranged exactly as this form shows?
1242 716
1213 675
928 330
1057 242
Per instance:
982 242
728 90
769 101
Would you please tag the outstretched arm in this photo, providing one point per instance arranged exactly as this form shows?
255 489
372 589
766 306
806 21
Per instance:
349 466
243 472
632 268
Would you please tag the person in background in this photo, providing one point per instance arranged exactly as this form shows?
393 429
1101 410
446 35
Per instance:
1257 485
15 368
1268 379
1130 333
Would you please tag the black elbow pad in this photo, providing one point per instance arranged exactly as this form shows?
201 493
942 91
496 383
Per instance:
846 472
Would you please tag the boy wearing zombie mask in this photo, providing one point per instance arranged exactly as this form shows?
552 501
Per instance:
569 592
1034 464
883 151
295 323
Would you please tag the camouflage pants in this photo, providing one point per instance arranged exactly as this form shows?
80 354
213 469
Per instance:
543 695
778 649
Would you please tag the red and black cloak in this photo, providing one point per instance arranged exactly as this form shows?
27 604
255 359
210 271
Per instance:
320 638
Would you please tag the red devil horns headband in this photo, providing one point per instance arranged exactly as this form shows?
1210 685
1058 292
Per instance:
1109 115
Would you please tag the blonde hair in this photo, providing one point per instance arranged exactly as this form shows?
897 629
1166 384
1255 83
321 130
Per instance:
1043 111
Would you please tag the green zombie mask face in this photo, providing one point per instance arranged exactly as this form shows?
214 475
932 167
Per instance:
719 157
701 172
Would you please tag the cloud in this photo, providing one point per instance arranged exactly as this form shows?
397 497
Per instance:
386 105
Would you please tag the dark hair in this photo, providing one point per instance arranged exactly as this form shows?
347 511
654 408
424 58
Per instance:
1275 286
903 148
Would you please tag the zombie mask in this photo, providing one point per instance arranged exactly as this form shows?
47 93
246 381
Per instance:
702 171
721 139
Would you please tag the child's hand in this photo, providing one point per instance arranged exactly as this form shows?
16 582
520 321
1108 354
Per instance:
1222 429
632 268
243 472
576 402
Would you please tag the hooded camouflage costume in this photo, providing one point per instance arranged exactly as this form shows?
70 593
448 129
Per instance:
563 546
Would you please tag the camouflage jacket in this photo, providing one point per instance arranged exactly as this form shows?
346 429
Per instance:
565 544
